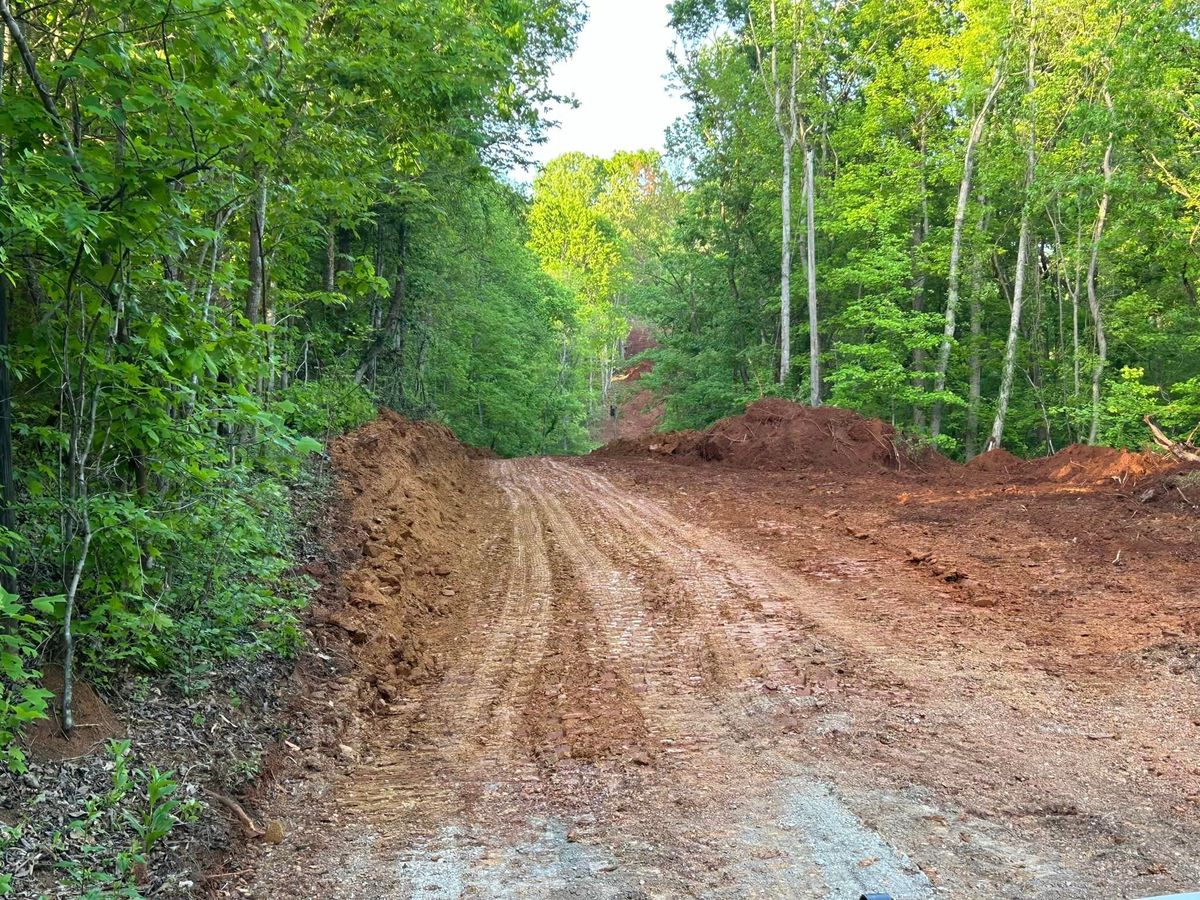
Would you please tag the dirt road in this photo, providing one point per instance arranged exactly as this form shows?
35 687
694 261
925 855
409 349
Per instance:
633 698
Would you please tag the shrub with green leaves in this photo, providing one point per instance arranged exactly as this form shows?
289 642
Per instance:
22 699
326 406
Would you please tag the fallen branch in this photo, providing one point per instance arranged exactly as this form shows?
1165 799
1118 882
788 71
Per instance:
1184 451
240 814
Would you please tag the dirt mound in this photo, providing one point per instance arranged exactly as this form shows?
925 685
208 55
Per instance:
405 487
639 340
777 434
95 722
1080 463
997 462
636 412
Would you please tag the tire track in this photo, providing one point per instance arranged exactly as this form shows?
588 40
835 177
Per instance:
758 801
775 603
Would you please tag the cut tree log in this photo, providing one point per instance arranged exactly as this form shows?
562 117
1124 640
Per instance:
1185 451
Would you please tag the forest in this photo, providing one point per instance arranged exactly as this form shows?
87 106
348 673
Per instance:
977 221
233 229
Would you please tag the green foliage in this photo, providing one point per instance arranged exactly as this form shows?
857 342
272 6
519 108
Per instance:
21 699
889 93
225 237
488 343
1127 402
326 406
160 814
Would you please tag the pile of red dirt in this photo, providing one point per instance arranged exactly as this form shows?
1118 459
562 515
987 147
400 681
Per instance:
95 722
777 434
406 488
638 412
1081 463
1076 464
639 341
997 462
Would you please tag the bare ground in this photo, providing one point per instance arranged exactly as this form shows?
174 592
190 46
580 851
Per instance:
646 679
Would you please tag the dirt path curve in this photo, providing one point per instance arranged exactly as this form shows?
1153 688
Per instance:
638 706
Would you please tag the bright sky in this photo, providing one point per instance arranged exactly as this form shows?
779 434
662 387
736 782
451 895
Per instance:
618 75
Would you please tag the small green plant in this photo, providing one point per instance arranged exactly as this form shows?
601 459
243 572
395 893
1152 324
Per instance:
137 812
161 813
119 752
329 406
247 768
9 835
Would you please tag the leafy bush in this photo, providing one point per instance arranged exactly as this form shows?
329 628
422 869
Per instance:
326 406
1126 403
21 700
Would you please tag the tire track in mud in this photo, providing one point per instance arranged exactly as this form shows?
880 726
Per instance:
925 665
773 607
764 619
579 688
760 805
667 688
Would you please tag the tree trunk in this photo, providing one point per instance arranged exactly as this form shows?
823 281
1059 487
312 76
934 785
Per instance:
8 515
814 336
920 233
975 360
1014 331
785 265
974 394
960 218
1093 295
331 260
1014 326
388 326
258 215
1075 320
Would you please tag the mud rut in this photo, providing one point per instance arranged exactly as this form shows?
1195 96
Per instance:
635 707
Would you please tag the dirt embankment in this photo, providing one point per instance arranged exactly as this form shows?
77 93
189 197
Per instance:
776 434
406 488
652 675
636 411
400 546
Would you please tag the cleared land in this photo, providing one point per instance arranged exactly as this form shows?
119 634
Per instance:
647 674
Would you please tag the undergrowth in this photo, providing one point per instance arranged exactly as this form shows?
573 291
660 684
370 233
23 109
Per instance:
178 581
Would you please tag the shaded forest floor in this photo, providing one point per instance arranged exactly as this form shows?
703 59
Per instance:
635 676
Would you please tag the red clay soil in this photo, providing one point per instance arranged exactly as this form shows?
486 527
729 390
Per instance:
777 435
639 412
645 674
640 340
405 486
997 462
1078 464
95 722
